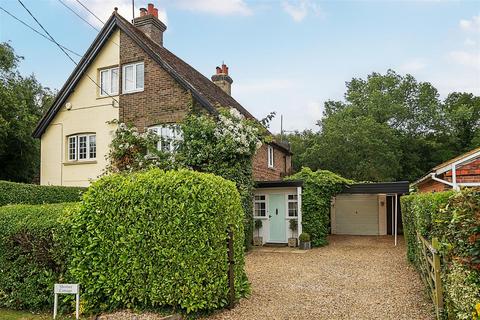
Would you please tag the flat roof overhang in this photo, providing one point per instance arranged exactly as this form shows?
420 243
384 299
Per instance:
278 184
398 187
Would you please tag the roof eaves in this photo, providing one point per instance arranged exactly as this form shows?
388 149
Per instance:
75 76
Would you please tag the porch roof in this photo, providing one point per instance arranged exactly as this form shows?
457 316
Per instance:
278 184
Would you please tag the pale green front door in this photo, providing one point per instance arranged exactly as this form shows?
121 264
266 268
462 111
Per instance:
276 211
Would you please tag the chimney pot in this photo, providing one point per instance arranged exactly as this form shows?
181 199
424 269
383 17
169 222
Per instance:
149 23
150 8
222 79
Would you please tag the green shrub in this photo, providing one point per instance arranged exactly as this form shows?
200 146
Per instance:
318 189
156 239
30 260
304 237
453 218
22 193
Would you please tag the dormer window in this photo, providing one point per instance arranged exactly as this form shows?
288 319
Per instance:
133 77
109 82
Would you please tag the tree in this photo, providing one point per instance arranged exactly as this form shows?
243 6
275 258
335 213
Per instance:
23 100
389 127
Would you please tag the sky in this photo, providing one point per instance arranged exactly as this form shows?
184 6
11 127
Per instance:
284 56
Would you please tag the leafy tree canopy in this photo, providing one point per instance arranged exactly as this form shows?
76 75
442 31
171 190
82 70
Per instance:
389 127
22 102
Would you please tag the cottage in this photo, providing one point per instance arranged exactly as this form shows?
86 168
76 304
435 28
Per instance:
127 75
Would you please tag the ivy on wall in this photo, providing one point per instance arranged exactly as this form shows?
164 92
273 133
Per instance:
318 189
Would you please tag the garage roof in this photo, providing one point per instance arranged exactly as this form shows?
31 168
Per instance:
398 187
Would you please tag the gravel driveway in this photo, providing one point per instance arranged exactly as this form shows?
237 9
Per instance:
354 277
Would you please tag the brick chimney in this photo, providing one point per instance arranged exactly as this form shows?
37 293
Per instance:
149 23
222 79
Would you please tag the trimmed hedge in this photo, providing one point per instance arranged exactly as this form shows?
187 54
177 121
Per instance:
453 218
22 193
318 189
30 260
156 239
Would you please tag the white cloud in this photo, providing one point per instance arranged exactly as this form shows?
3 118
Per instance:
217 7
469 42
104 8
466 58
413 65
299 9
471 25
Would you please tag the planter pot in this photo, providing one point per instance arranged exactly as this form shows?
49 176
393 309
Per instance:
292 242
305 245
258 241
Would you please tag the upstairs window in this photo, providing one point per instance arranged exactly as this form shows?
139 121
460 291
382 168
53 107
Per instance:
270 156
82 147
133 77
109 82
260 206
292 205
170 136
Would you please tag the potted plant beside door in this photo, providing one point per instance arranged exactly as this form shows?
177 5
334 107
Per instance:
304 241
292 242
258 241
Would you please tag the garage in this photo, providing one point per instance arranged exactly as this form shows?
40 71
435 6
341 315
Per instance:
368 209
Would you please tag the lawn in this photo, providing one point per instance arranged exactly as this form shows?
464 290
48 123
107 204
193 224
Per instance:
6 314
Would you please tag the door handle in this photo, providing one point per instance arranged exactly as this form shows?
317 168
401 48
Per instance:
276 212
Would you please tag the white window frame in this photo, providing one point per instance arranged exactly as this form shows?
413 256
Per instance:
89 147
108 72
175 139
288 205
270 156
255 201
124 82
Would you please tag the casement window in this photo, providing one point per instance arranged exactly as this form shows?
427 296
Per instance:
270 156
292 201
109 82
82 147
133 77
170 136
260 206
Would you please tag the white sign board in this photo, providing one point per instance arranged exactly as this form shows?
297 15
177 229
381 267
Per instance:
66 288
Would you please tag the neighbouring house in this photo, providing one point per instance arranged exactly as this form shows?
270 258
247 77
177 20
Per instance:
461 171
128 76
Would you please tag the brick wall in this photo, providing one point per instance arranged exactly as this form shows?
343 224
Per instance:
163 100
281 164
432 186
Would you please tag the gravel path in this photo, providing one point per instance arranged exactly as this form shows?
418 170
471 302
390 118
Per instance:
352 278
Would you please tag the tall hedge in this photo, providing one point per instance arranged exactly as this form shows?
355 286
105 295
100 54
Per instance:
31 260
22 193
454 219
155 239
318 189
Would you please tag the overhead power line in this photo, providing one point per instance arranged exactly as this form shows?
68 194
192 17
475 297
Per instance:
60 47
36 31
93 14
78 15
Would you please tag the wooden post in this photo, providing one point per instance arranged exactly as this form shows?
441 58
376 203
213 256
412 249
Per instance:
231 263
438 280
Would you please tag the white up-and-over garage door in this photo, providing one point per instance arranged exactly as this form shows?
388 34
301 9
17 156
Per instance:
355 214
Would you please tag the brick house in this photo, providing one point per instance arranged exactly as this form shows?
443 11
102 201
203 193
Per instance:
127 75
463 170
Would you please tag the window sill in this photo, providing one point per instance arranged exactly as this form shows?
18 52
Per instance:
260 218
133 91
73 163
291 218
